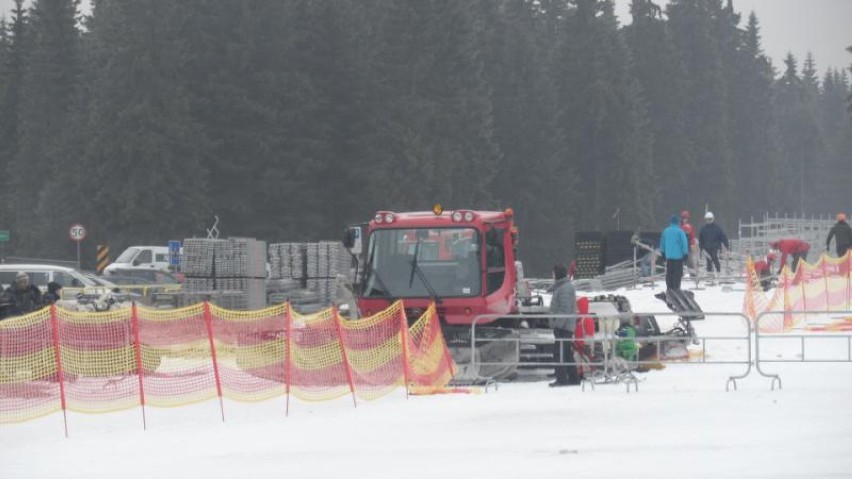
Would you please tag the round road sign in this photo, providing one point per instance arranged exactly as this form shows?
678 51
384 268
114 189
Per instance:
77 233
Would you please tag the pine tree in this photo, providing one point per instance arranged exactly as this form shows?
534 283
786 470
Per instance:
142 172
603 116
431 126
750 79
662 77
695 30
800 141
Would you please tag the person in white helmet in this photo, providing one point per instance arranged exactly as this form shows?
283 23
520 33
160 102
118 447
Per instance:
711 239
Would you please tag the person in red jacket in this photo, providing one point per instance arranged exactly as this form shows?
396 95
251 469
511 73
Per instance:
795 248
585 329
693 243
585 325
763 268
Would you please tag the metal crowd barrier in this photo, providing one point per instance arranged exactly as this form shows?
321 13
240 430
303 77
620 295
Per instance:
803 340
609 336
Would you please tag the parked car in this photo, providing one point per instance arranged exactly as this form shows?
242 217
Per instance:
142 276
72 280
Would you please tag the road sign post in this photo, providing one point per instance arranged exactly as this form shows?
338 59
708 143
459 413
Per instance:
4 238
77 233
174 254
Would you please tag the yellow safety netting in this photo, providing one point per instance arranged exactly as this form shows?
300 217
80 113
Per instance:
823 286
57 359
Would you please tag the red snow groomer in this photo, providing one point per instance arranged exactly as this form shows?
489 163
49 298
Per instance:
465 262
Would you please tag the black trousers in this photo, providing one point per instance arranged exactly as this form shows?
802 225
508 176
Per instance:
565 374
713 261
674 273
842 249
797 257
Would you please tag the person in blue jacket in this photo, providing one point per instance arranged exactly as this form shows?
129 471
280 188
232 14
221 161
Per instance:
675 248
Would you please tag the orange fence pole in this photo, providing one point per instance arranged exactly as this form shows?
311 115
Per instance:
848 257
54 324
788 317
137 347
403 334
447 358
208 318
289 358
345 356
825 281
804 296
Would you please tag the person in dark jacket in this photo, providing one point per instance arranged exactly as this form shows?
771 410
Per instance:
24 296
5 305
795 248
564 301
711 238
842 234
674 245
53 294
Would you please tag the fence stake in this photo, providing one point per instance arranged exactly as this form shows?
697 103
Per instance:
140 371
403 335
208 318
345 356
289 358
54 323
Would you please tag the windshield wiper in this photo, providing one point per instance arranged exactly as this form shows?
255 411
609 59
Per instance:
416 269
370 271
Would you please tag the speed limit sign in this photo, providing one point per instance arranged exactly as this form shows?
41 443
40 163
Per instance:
77 233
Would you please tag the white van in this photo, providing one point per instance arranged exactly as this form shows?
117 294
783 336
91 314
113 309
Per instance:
141 257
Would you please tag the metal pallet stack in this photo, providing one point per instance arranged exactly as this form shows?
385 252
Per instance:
306 273
231 273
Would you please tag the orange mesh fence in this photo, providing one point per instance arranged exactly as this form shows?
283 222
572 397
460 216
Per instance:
431 367
823 286
251 350
374 347
318 370
29 376
57 359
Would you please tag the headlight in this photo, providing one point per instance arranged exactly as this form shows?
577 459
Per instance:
388 218
468 216
457 216
378 218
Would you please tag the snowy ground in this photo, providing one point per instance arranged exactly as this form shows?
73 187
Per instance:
682 423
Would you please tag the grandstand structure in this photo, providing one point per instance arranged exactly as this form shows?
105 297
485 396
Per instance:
754 236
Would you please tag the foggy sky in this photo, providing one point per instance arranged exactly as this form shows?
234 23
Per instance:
799 26
821 26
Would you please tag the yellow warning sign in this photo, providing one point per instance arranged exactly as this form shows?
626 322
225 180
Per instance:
102 258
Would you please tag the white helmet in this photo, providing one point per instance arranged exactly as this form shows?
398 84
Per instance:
709 215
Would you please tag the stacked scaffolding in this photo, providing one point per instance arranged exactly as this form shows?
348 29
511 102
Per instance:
306 274
231 272
754 236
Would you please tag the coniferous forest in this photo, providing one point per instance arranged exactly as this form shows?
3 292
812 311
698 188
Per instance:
290 119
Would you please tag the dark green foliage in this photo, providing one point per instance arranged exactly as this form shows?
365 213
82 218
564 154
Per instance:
289 119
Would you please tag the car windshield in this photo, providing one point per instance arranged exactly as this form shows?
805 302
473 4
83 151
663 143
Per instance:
127 256
410 262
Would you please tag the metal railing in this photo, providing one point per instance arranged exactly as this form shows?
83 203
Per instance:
609 338
804 339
